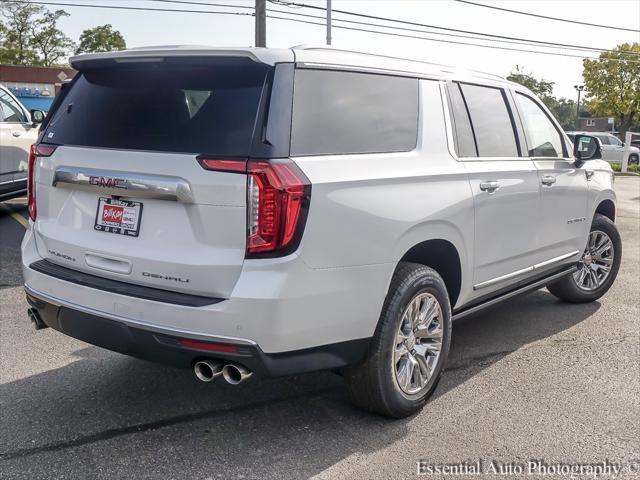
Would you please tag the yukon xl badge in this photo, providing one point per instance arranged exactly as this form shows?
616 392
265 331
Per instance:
165 277
62 255
107 182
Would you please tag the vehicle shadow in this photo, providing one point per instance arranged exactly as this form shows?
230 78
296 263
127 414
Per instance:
11 233
104 405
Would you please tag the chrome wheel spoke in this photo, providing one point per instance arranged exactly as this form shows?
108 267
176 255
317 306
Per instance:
399 352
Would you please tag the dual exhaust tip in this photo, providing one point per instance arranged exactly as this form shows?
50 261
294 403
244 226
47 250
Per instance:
208 370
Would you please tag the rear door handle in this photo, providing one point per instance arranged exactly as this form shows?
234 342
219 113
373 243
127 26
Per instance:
489 186
548 180
16 133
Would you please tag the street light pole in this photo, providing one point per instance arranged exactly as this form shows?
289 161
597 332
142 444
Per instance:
328 22
261 23
579 88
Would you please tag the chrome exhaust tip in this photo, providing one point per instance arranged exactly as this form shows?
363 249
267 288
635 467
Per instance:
35 318
207 370
234 373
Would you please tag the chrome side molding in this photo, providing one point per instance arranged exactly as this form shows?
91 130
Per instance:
124 184
548 263
463 312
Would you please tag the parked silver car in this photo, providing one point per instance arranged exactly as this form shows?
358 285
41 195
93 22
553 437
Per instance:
18 131
612 147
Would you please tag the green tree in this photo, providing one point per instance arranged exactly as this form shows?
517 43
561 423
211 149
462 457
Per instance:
50 43
541 87
562 108
613 84
101 39
29 34
15 41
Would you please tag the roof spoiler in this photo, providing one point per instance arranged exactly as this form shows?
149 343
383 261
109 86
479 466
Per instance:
160 54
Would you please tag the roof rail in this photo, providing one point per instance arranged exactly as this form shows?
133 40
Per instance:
359 52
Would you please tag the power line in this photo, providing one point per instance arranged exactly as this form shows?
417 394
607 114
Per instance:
119 7
445 41
516 42
207 4
529 14
122 7
449 29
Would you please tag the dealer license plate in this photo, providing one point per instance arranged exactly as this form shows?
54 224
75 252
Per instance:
118 216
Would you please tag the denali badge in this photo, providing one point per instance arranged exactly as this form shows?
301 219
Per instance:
108 182
576 220
165 277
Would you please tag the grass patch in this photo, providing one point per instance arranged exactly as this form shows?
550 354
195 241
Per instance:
630 168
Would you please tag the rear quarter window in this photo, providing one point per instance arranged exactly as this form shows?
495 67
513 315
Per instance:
336 112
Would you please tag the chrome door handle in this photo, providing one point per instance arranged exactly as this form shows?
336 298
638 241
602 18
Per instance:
489 186
548 180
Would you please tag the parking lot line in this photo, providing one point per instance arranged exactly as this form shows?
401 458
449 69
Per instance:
16 216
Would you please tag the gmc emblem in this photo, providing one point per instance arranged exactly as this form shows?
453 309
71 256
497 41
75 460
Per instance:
108 182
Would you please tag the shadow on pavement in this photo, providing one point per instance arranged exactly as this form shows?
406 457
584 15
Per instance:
11 233
104 402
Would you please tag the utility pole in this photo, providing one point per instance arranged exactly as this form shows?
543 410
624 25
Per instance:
328 22
579 88
261 23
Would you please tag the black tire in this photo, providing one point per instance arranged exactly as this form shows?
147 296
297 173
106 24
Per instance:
633 159
567 288
372 385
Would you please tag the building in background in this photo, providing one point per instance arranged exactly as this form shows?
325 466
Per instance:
35 87
595 124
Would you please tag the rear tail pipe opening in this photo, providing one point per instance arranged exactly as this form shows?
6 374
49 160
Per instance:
234 373
207 370
35 318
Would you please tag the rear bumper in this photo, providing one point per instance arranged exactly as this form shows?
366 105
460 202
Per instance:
280 304
165 347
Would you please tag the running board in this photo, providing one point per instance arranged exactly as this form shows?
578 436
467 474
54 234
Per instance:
512 293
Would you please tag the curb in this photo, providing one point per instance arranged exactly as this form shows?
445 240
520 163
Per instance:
626 174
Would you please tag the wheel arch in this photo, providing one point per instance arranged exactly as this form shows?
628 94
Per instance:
444 258
607 208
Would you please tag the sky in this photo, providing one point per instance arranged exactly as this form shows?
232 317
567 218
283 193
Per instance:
169 28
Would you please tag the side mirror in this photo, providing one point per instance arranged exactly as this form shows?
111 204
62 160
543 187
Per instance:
586 147
37 117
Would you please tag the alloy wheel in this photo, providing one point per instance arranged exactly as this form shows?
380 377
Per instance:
596 262
418 343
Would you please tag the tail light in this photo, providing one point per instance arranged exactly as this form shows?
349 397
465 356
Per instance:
278 196
34 152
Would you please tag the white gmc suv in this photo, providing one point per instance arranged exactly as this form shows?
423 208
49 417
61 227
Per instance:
240 211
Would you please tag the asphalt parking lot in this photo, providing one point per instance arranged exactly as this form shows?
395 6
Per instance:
531 379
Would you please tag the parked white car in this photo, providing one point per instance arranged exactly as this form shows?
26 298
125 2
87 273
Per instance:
612 147
18 131
279 211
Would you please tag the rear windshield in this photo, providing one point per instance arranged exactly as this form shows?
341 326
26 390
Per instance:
189 108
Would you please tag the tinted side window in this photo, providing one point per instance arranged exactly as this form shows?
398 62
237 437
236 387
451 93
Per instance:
543 138
348 112
10 111
491 121
465 141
